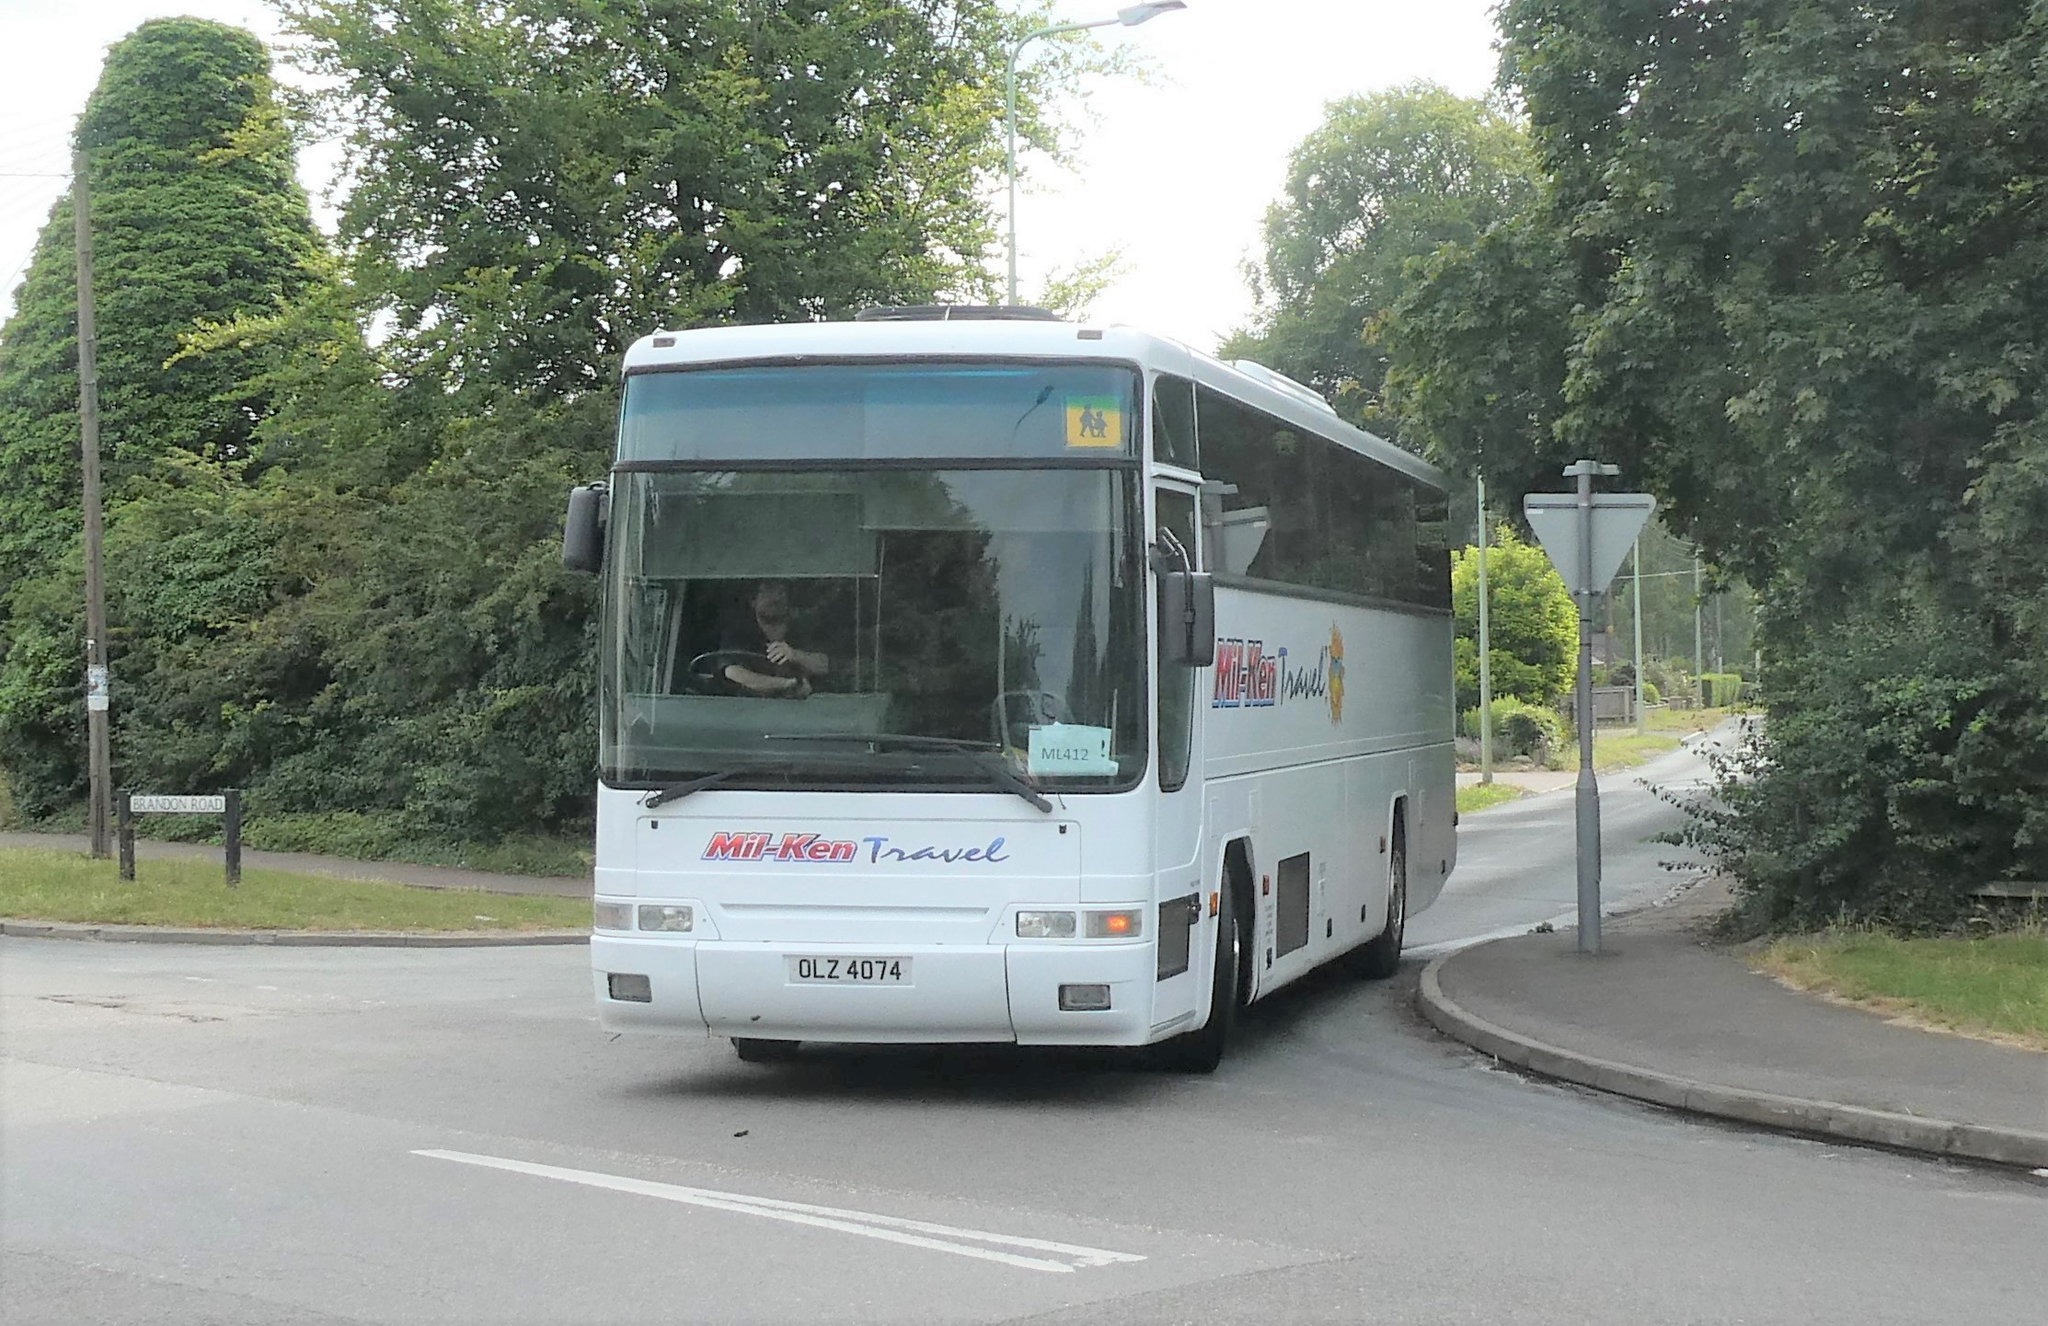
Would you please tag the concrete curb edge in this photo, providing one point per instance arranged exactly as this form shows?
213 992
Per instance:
149 934
1853 1123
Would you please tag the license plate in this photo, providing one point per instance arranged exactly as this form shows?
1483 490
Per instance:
850 971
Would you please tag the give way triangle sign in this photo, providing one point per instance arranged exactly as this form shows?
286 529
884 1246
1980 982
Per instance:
1616 520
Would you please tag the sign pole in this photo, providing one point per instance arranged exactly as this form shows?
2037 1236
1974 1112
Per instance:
127 821
1485 651
1587 535
1638 615
1587 791
231 835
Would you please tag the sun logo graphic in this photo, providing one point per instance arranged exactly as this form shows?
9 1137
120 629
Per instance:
1336 674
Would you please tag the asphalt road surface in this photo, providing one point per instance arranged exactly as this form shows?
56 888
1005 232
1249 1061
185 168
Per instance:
252 1135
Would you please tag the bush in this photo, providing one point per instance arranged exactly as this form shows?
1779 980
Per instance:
1900 768
1718 690
1651 695
1520 729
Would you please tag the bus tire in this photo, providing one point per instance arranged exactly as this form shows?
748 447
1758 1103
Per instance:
1380 957
753 1050
1201 1050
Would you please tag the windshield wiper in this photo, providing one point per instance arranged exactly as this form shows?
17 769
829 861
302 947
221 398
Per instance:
998 770
677 791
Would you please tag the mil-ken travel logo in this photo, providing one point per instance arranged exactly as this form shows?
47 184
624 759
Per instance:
1249 677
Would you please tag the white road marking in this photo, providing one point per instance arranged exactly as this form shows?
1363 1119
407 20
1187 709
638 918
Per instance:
868 1224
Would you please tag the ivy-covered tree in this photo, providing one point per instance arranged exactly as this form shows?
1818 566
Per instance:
1384 181
197 218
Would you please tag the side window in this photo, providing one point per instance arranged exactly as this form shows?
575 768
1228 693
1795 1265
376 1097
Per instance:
1176 681
1306 510
1173 421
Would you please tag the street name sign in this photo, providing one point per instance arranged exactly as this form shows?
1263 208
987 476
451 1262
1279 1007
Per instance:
149 805
1617 519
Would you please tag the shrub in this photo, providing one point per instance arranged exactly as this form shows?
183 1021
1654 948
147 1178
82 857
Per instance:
1718 690
1520 729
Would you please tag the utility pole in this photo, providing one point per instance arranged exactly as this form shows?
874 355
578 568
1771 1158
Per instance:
1638 578
99 756
1485 650
1699 652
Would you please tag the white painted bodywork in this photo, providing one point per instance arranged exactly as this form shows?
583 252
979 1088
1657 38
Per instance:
1296 775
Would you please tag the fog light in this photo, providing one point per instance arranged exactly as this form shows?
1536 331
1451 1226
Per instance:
611 915
660 917
630 988
1115 925
1083 998
1045 925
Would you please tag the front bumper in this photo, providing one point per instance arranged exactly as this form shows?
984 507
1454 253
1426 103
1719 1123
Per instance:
957 993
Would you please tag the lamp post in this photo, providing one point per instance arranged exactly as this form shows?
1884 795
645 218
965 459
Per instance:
1130 16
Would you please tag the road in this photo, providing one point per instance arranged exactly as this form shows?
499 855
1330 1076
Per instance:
252 1135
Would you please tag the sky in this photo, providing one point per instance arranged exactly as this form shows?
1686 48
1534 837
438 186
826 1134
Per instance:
1174 171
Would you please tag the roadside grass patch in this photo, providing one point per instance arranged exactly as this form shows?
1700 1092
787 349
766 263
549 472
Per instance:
1484 796
1993 987
42 885
1666 719
1615 750
359 836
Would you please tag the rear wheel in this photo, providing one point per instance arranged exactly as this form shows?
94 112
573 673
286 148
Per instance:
753 1050
1201 1050
1381 956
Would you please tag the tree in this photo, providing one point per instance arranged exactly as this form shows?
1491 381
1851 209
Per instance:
1384 181
541 181
197 218
1532 623
1788 271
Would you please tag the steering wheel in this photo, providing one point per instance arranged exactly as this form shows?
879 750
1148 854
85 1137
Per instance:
705 674
1044 707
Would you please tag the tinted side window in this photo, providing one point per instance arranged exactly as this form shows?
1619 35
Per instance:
1309 511
1173 421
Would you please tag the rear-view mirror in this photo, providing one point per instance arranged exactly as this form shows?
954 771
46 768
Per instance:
1187 617
583 532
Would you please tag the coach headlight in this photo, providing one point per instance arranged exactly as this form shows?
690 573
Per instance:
1045 925
611 915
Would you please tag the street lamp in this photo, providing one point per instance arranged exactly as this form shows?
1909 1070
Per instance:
1130 16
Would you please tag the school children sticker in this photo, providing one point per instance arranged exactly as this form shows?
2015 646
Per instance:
1249 676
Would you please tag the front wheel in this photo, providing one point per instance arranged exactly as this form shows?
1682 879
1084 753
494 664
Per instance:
1381 956
1201 1050
753 1050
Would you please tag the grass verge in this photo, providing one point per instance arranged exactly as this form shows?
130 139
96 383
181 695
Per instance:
362 837
1994 987
1665 719
1475 797
42 885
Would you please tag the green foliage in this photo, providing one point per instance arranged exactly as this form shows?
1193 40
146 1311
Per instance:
333 572
196 218
1520 729
1789 270
541 181
1532 625
1382 182
1718 690
1912 767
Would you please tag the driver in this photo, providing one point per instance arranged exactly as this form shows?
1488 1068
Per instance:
764 632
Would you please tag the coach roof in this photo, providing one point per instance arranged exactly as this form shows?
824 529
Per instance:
796 342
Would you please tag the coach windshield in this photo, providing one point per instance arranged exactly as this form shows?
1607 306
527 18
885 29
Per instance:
865 622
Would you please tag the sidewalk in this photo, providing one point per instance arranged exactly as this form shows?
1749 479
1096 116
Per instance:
393 872
1661 1017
